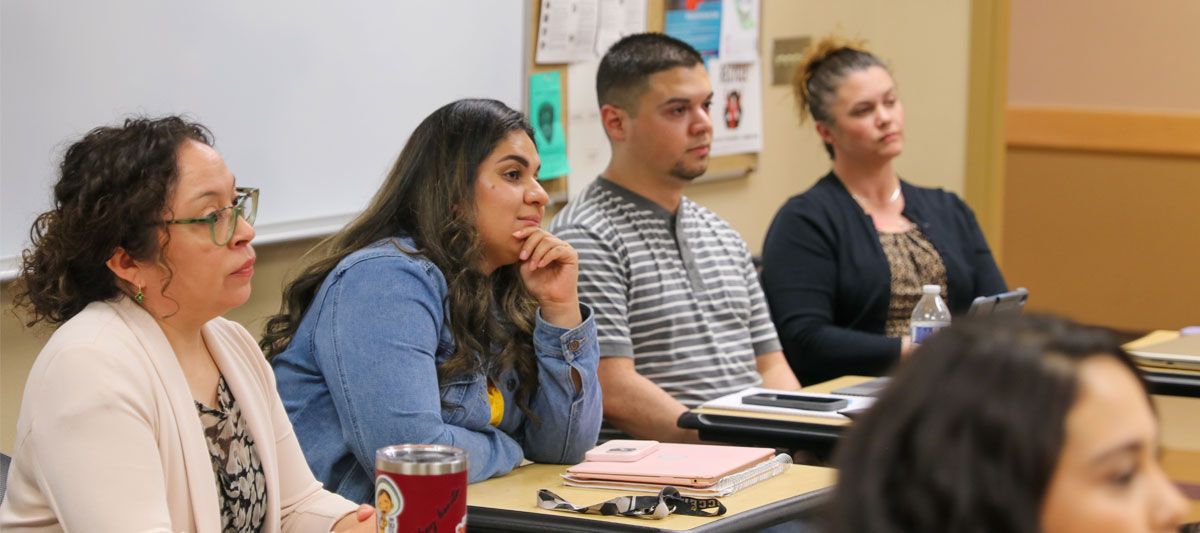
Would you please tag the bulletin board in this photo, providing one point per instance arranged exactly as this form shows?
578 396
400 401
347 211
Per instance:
719 167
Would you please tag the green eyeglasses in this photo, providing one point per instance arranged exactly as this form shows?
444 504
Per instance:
223 222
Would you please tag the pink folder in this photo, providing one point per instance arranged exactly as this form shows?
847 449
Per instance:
693 465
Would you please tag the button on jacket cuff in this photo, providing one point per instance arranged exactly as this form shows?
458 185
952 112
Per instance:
569 344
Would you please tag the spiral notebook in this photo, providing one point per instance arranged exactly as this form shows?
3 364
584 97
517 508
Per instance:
723 487
692 465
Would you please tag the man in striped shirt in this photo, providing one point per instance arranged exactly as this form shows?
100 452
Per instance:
679 311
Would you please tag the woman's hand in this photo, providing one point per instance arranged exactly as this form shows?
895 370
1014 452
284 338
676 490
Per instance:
360 521
550 269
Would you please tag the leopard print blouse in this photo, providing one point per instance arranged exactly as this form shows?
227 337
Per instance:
914 262
241 486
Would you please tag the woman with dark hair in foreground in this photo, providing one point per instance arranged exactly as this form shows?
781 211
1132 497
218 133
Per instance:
1008 425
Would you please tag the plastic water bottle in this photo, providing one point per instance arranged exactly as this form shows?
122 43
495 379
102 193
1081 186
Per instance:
930 314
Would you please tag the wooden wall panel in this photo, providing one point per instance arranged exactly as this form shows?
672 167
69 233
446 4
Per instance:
1105 238
1104 130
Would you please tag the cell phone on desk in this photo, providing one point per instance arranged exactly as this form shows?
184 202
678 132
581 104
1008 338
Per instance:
622 451
796 401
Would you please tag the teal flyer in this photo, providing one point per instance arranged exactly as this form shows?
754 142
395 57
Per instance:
545 112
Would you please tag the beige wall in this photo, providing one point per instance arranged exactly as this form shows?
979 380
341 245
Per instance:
930 66
1114 54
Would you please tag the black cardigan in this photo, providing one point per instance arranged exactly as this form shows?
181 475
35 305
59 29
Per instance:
828 282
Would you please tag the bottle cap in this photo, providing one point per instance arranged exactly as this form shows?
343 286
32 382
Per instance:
931 289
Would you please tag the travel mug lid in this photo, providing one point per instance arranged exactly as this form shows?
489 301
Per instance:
421 459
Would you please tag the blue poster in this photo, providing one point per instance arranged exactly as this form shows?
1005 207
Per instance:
699 27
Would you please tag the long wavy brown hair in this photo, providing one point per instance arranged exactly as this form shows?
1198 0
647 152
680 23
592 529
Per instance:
429 196
111 193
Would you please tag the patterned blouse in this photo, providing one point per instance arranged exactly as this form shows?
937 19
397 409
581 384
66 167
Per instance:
241 486
914 262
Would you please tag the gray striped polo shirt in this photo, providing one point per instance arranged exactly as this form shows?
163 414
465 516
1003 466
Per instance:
677 292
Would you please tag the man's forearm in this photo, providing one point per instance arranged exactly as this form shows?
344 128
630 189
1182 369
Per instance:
640 408
775 372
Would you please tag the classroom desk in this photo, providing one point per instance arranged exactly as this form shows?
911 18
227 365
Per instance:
810 433
508 503
1165 380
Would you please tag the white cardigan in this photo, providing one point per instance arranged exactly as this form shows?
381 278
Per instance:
109 439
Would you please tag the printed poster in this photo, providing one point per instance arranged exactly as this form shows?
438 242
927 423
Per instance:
545 112
587 149
695 23
737 107
739 30
618 18
566 31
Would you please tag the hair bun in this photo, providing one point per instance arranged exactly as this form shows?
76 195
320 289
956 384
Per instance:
814 56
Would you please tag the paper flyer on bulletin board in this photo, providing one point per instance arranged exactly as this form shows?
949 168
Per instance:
695 23
587 148
545 112
618 18
566 31
739 30
737 107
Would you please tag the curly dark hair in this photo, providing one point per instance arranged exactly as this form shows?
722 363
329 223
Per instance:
429 195
112 192
967 436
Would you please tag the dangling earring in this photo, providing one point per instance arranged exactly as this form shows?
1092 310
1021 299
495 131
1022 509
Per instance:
139 296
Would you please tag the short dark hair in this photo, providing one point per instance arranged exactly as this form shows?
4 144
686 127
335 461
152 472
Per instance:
967 436
111 192
625 69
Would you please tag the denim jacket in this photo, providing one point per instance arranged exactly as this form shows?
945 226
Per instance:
361 374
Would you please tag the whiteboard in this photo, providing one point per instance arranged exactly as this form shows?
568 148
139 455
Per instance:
310 101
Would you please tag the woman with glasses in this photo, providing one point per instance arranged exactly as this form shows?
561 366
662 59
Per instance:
146 411
444 314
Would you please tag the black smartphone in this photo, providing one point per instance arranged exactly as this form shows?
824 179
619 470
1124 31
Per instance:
796 401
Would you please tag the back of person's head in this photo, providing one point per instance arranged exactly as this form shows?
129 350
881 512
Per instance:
113 190
828 62
625 70
967 436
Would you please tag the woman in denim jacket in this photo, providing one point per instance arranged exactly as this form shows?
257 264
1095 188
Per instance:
443 314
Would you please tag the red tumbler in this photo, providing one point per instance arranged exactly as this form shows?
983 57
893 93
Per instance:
421 488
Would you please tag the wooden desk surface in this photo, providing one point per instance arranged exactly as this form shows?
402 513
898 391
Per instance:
518 491
1154 337
825 388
